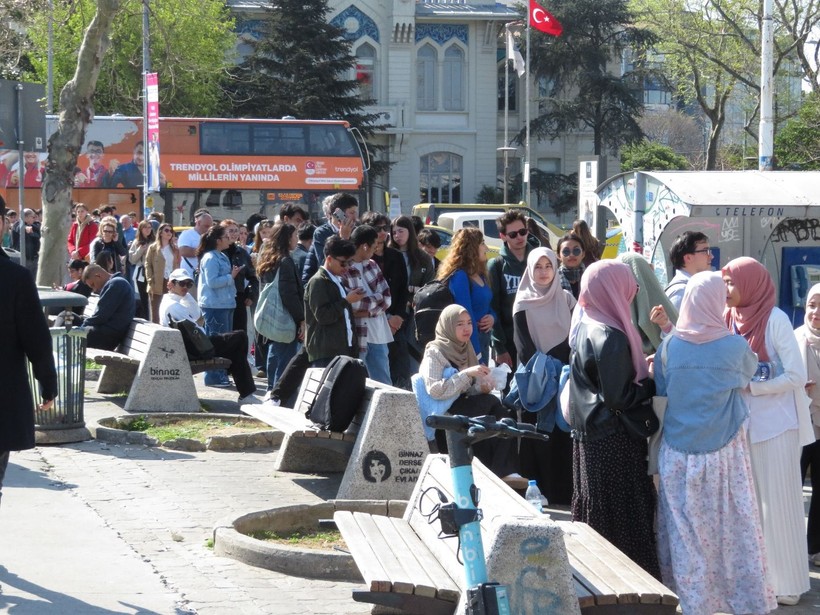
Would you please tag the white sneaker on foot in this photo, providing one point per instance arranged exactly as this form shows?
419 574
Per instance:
788 600
815 559
249 399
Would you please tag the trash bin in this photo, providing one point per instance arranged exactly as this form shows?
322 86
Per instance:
64 422
68 348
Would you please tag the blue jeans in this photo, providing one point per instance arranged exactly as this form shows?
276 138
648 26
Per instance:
279 355
217 320
378 365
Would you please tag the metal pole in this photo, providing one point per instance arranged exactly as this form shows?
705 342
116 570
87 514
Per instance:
527 120
766 130
146 68
21 174
50 76
506 117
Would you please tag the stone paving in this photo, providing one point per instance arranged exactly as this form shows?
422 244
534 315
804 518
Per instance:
97 528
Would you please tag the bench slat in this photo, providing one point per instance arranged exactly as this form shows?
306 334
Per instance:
419 582
623 570
384 553
447 589
364 556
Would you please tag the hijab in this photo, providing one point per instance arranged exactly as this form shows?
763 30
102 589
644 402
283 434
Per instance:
607 289
547 308
460 355
650 294
701 311
757 299
809 341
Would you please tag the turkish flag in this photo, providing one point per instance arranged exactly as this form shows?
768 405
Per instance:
541 19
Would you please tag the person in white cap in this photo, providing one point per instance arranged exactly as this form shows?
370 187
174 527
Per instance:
178 305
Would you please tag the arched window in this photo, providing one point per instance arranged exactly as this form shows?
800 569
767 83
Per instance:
366 72
452 82
426 61
440 178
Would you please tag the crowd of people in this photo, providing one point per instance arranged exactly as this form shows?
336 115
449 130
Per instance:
736 439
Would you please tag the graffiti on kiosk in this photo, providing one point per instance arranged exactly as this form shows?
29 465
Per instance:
797 229
730 230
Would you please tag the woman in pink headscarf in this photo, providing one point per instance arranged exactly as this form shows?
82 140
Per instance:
704 456
779 423
611 415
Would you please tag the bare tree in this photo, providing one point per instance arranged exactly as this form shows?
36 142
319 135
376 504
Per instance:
680 131
76 112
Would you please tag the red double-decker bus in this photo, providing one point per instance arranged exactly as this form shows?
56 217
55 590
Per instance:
233 167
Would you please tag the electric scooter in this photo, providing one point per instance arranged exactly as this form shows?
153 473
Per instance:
463 516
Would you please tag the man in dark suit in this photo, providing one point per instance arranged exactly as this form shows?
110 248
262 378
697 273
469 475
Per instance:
25 334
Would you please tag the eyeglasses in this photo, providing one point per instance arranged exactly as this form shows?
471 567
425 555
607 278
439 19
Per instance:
573 252
343 262
167 230
703 251
513 234
108 231
185 284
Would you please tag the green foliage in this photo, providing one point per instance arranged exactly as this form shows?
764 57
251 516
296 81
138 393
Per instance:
578 89
647 156
139 423
488 194
191 45
301 65
797 145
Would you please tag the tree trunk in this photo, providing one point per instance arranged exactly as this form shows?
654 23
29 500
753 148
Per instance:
76 112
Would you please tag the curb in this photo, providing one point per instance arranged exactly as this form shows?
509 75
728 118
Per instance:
231 539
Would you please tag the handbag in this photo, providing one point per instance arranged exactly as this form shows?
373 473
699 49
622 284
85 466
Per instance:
271 319
659 407
198 346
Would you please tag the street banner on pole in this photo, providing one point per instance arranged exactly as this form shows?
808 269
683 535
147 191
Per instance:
152 113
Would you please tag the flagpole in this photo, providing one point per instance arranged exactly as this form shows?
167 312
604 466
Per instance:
526 176
506 110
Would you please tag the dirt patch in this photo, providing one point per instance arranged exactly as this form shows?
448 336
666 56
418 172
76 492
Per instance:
307 539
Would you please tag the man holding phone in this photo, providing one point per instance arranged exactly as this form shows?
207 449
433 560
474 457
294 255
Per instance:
342 210
329 321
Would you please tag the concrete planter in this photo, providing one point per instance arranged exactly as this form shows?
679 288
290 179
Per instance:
231 538
113 430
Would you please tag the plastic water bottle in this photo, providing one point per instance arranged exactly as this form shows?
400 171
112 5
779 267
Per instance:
533 496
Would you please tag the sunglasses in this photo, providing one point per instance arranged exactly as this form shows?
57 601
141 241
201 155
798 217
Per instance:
185 284
167 230
342 262
383 228
513 234
573 252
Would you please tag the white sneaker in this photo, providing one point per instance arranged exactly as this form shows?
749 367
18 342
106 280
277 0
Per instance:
788 600
273 401
249 399
815 559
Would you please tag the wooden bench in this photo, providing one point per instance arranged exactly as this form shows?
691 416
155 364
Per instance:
151 364
306 447
406 565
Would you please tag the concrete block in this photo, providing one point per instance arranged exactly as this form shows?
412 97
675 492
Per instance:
389 452
164 382
528 555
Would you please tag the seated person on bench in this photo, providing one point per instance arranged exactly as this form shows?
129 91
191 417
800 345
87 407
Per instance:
109 324
469 387
179 305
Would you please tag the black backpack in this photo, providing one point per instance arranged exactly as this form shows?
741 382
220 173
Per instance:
428 304
340 394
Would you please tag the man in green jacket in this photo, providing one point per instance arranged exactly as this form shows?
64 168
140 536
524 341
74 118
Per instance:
330 329
505 272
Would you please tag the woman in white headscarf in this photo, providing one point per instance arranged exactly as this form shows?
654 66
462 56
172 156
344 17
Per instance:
808 338
708 520
541 318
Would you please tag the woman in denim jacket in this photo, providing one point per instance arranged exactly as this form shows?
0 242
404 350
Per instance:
779 423
704 456
217 291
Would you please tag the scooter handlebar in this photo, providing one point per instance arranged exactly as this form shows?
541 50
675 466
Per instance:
485 426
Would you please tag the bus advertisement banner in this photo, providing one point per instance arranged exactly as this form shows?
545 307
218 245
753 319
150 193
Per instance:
152 115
